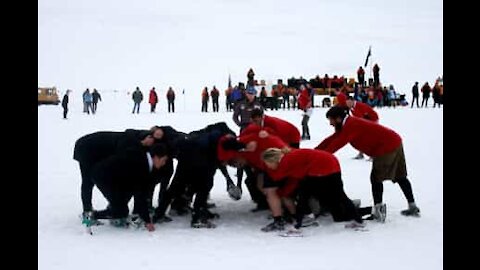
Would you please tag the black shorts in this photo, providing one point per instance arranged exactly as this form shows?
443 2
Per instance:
268 182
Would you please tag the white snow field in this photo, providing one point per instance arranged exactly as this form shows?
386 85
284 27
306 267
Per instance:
237 242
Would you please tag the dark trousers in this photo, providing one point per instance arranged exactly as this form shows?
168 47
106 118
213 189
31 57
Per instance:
305 129
294 102
94 107
413 100
87 185
152 107
215 105
199 181
227 104
425 101
65 111
376 80
117 201
172 105
286 99
137 106
88 107
204 106
328 190
251 182
404 183
436 100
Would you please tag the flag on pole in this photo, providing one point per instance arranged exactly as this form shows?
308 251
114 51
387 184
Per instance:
368 55
229 81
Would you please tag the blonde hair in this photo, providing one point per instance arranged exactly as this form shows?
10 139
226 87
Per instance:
273 155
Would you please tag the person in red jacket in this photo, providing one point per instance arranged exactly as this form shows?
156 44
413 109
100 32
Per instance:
153 100
283 129
312 173
305 104
247 150
383 145
362 110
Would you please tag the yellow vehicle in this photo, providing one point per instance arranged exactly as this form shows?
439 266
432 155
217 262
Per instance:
48 95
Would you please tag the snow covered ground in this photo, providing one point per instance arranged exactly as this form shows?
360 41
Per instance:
237 242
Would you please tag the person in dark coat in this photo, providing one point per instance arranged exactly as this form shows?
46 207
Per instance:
205 98
361 76
171 99
95 147
129 174
415 94
215 94
426 90
137 97
95 98
250 75
376 75
65 104
197 164
436 95
242 117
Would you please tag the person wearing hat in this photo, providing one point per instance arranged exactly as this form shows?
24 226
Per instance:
383 145
242 116
123 176
362 110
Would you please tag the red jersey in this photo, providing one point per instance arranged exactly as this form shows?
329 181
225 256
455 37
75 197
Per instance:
368 137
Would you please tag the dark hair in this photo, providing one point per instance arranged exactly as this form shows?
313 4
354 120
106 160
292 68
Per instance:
144 134
337 111
159 150
233 144
256 113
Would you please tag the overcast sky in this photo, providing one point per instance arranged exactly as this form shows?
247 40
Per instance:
190 44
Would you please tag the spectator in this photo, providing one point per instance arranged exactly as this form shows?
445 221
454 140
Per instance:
436 95
95 98
228 99
153 100
361 76
415 94
87 99
171 99
376 75
205 98
137 97
392 96
65 104
215 94
426 94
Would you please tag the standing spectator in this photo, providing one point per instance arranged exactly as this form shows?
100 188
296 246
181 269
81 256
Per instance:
87 99
294 94
376 75
250 75
215 94
361 76
137 97
228 99
282 90
392 96
153 100
171 99
311 92
275 96
263 97
426 94
415 94
65 104
236 96
205 99
436 95
242 116
305 104
95 98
